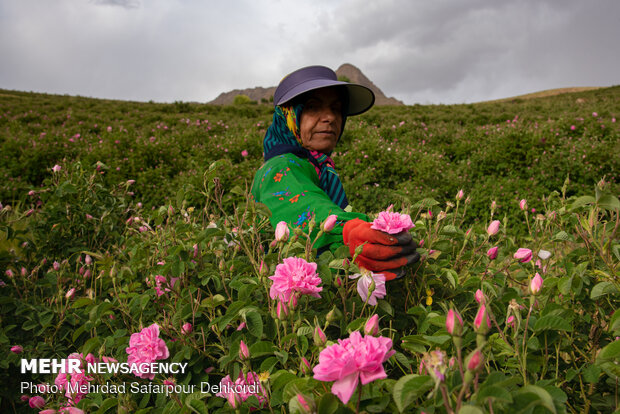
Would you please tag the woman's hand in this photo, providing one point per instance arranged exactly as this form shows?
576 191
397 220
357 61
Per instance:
381 252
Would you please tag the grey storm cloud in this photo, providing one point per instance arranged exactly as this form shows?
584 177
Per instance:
454 51
130 4
445 51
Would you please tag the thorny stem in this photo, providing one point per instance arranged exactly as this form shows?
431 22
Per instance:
459 399
501 333
459 357
446 400
524 361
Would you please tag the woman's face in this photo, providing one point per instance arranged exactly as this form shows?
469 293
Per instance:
321 120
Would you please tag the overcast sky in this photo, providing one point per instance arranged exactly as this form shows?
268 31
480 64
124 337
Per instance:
418 51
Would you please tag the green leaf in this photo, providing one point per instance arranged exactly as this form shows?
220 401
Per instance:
81 302
107 404
451 275
544 397
198 406
582 201
608 359
254 323
385 306
609 202
177 268
565 284
614 322
552 322
305 330
294 387
602 289
91 345
268 364
336 264
561 236
425 203
494 392
195 403
438 339
281 378
450 229
470 409
591 373
261 348
610 352
328 404
409 388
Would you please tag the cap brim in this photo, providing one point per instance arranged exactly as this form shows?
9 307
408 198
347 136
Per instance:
361 98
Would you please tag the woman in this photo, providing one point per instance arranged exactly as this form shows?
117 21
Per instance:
298 181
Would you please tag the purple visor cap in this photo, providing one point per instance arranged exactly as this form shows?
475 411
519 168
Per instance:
315 77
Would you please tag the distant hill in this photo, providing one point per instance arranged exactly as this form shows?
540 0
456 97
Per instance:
548 92
353 74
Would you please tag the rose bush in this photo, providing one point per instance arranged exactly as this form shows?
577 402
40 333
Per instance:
86 265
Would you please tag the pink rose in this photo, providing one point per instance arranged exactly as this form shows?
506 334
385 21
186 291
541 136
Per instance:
523 255
479 296
17 349
492 253
162 286
306 407
281 310
460 195
372 326
282 231
330 222
353 360
493 228
71 410
454 323
36 402
295 276
536 284
392 222
305 366
240 390
523 204
319 337
187 328
146 347
475 361
482 323
244 153
244 352
70 381
56 168
370 286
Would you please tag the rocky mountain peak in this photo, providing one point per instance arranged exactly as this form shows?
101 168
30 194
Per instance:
347 70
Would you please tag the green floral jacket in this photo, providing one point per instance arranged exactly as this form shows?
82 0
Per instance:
289 187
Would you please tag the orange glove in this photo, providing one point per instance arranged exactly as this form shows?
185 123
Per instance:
381 252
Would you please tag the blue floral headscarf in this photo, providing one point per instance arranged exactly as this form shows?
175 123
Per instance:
283 137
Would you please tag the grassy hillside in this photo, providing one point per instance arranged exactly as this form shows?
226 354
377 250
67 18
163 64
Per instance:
504 151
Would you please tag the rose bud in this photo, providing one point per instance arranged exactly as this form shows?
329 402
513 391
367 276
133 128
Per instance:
282 231
372 326
454 323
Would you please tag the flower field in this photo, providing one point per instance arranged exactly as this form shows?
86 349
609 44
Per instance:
128 239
